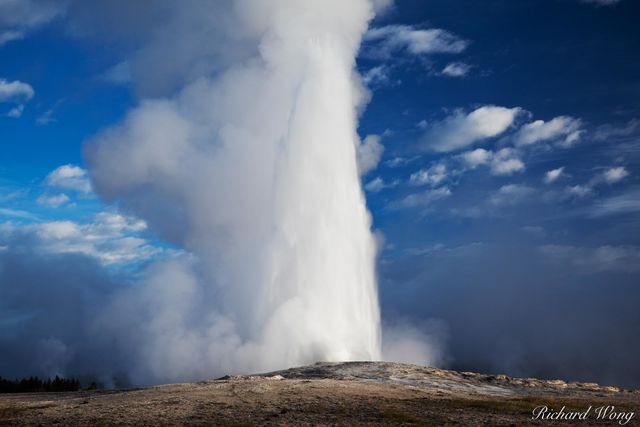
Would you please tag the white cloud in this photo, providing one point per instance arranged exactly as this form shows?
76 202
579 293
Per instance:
507 166
475 158
460 130
456 69
69 177
398 38
377 184
376 76
511 194
422 199
431 176
615 174
399 161
111 238
563 130
18 17
579 190
110 223
58 230
503 162
506 162
15 91
600 259
609 176
54 201
369 154
553 175
16 112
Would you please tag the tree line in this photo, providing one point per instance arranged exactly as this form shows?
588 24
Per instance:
37 385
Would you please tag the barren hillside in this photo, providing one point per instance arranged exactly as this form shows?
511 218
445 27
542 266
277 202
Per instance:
357 393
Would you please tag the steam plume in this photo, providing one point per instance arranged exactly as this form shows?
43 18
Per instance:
251 167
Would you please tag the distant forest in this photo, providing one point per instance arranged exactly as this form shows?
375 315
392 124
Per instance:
36 385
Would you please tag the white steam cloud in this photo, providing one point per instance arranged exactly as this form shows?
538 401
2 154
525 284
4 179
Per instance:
253 170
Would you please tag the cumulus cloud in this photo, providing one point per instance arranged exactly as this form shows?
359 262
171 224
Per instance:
55 200
503 162
506 162
378 184
376 76
369 154
579 190
475 158
456 69
15 91
461 130
615 174
430 176
111 238
69 177
563 130
609 176
553 175
391 39
19 17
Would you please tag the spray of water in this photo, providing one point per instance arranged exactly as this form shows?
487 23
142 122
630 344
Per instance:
252 169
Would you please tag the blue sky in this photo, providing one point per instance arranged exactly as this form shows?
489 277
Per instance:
504 175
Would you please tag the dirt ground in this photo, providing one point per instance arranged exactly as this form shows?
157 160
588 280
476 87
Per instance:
356 393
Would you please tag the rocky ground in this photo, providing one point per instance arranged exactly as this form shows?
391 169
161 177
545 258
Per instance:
356 393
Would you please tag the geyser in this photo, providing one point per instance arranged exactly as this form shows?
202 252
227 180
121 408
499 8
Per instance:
251 168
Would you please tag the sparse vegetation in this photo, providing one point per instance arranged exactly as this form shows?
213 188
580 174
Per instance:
37 385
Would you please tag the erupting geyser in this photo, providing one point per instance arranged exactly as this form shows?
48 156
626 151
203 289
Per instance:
251 167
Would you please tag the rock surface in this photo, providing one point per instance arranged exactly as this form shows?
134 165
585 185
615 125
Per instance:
354 393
